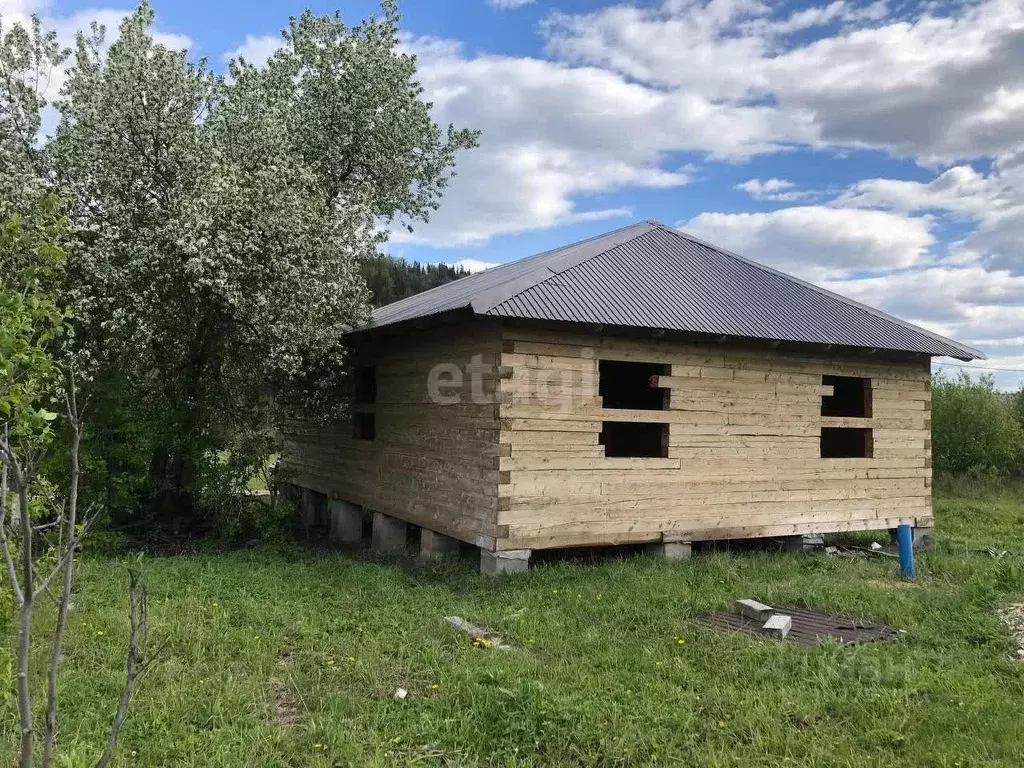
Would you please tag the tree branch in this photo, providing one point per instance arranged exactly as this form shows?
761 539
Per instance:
137 661
5 545
66 558
67 567
25 621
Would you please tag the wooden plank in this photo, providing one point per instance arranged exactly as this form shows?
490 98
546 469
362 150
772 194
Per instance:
549 425
603 464
539 437
655 517
599 537
812 391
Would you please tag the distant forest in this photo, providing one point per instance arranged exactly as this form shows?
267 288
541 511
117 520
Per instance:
391 279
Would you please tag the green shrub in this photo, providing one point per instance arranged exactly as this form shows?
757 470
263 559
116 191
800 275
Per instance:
975 428
246 518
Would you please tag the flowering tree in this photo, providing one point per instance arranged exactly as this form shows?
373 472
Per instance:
219 224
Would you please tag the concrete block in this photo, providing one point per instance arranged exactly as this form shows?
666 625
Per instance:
924 538
389 533
778 626
504 561
346 521
805 543
670 550
433 544
311 508
752 609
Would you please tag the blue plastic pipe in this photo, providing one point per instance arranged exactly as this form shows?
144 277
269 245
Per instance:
905 537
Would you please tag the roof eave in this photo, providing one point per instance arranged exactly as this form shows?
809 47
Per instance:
969 354
709 338
444 317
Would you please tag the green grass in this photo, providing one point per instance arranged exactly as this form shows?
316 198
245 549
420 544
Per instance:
598 676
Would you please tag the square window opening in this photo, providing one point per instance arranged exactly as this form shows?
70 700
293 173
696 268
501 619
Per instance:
364 385
364 426
851 397
628 385
846 443
636 439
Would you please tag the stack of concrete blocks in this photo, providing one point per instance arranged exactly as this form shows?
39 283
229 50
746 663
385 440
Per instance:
773 624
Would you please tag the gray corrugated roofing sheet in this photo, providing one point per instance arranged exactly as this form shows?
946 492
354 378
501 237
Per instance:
651 276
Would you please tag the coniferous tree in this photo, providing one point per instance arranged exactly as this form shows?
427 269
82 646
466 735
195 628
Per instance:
390 279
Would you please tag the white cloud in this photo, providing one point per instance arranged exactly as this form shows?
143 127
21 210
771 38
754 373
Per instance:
976 305
504 5
960 190
554 133
474 265
591 108
67 27
779 190
993 202
19 9
681 45
506 188
757 186
256 49
926 85
818 242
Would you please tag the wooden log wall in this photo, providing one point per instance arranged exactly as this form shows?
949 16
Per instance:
433 463
743 456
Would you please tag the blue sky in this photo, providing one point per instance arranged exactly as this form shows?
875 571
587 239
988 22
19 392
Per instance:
873 147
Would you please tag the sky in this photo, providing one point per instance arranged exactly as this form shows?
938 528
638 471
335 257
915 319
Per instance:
875 147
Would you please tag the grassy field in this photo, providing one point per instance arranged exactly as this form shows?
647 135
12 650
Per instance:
285 658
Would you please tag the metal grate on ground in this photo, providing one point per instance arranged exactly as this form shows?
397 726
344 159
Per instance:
809 627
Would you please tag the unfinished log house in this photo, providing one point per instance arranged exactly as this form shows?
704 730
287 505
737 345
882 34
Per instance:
642 386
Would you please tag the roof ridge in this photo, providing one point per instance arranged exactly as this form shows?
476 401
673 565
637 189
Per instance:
839 297
584 241
568 257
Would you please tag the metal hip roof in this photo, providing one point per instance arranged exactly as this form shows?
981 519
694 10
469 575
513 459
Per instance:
651 276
